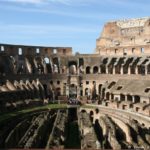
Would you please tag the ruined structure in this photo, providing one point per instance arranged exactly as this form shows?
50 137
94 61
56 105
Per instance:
116 79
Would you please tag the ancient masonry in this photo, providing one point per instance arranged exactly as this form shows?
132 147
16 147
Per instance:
112 85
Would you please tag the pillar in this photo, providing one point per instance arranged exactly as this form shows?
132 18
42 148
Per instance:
133 99
113 69
136 70
67 90
121 70
146 71
106 69
126 98
99 70
78 91
129 70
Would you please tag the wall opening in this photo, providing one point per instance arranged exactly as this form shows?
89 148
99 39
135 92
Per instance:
111 84
125 51
122 97
137 99
37 50
20 51
2 48
142 50
95 70
88 70
55 51
129 98
133 49
46 59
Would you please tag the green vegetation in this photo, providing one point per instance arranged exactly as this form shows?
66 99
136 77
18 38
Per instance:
6 116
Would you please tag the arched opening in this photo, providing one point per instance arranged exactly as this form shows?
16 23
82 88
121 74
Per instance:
55 51
122 97
91 116
147 90
20 51
112 96
2 48
88 93
107 96
137 99
73 67
88 70
95 70
97 110
129 98
58 92
73 91
103 93
37 50
111 84
99 89
83 111
48 65
56 65
46 59
45 90
103 69
148 69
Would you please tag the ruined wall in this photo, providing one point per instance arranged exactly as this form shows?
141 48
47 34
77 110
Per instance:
125 37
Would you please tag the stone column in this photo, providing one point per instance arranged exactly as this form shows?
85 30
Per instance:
113 70
146 71
136 70
99 70
68 70
67 90
106 69
133 99
129 70
78 91
126 98
121 70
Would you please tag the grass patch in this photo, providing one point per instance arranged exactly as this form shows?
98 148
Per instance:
6 116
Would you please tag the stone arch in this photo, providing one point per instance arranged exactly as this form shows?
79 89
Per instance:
99 89
129 98
111 84
103 69
137 99
122 97
72 67
88 70
86 91
47 61
83 111
45 90
103 93
54 51
96 110
48 65
107 96
112 96
95 69
91 115
58 91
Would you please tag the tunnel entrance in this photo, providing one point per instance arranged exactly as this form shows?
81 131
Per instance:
72 130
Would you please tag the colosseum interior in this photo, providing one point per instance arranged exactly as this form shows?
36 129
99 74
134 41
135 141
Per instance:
52 98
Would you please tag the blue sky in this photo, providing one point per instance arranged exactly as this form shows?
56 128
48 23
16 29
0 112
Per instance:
73 23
